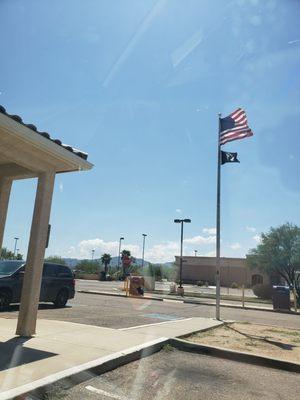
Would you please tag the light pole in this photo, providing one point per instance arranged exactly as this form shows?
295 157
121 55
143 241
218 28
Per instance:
181 221
93 252
16 241
121 238
144 237
196 251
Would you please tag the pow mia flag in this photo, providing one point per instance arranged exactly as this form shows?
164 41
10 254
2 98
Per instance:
228 157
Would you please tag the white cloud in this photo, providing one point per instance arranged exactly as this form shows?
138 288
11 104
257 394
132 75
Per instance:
235 246
201 240
160 252
178 210
257 238
210 254
85 247
61 187
250 229
163 252
294 41
210 231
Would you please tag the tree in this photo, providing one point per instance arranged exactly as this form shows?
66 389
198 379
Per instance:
126 260
279 253
88 266
105 259
56 260
9 255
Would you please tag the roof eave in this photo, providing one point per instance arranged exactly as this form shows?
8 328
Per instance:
23 133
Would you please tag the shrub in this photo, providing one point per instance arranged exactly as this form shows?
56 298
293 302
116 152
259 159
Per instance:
263 291
88 267
234 285
200 283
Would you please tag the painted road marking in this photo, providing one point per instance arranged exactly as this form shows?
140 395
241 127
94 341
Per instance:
164 317
173 301
104 393
154 324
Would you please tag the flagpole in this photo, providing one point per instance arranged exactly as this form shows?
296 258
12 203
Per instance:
218 225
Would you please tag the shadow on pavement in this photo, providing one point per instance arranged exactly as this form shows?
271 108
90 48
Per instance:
43 306
13 353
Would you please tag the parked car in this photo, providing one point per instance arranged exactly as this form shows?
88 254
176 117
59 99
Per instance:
58 283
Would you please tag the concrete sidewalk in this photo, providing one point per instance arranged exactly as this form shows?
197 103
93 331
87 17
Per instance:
61 349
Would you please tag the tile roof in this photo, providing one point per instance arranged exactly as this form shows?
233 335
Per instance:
46 135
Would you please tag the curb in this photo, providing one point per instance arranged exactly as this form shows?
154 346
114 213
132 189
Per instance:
189 302
75 375
234 355
120 295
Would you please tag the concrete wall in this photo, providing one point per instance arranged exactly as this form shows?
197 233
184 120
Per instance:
232 270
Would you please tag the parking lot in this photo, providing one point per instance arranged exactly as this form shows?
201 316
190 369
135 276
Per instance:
118 312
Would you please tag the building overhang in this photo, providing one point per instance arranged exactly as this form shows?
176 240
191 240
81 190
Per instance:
26 153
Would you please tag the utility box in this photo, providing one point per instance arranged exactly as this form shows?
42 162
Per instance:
136 286
281 298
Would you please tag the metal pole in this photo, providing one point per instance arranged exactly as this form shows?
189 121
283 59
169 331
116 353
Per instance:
93 251
218 226
243 296
196 251
16 241
181 245
119 253
295 299
144 237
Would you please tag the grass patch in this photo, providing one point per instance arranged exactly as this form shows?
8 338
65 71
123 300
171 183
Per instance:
284 332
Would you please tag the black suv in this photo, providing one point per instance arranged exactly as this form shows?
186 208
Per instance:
58 283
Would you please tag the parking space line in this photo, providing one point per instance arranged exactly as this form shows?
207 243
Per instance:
155 323
104 393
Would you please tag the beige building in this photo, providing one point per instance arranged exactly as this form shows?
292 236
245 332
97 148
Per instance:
233 270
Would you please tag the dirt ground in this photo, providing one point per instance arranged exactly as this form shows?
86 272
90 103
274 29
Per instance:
264 340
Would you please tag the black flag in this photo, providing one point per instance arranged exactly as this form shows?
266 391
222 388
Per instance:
228 157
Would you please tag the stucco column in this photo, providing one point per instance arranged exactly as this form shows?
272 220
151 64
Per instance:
5 187
35 256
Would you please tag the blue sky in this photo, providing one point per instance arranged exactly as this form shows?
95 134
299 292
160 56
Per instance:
138 85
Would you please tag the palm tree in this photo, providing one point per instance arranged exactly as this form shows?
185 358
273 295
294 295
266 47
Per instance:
105 259
126 260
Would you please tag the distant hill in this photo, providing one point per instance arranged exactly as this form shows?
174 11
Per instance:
72 262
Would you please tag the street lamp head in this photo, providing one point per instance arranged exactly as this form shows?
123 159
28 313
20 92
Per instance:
177 221
187 220
121 238
144 234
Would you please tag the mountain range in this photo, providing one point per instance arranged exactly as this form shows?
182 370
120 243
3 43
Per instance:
72 262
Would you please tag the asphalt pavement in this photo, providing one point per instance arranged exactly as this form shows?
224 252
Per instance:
115 286
176 375
118 312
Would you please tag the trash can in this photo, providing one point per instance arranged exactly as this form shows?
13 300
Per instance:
136 286
281 298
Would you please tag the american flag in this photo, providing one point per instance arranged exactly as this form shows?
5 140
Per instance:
234 127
